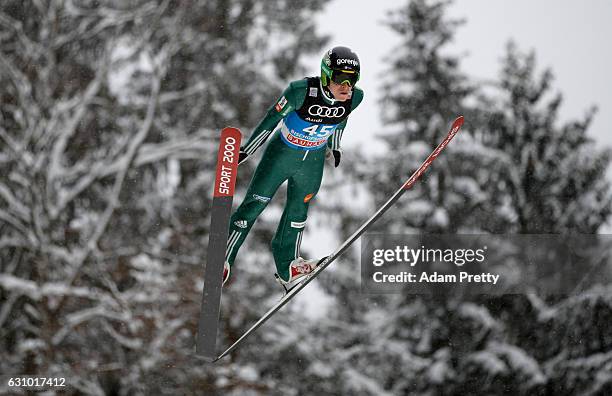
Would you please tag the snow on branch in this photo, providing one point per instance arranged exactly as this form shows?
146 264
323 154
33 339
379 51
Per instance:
128 159
18 151
154 353
13 203
9 219
20 81
17 26
126 163
6 242
57 153
36 292
191 147
77 318
95 21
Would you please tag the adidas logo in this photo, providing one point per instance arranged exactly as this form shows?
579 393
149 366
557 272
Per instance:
241 223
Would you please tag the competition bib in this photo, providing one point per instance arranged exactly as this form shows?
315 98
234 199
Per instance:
305 135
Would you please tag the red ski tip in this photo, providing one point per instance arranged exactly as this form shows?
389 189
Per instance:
454 129
451 134
457 124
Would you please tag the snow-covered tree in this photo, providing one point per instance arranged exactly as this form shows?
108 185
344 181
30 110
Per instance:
109 120
424 91
553 174
488 344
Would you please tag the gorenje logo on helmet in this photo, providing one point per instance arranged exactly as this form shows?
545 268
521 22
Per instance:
352 62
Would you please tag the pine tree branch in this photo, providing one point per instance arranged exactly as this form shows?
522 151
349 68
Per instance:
14 205
85 315
126 163
15 223
192 147
57 152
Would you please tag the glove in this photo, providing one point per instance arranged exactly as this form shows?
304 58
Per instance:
242 156
336 154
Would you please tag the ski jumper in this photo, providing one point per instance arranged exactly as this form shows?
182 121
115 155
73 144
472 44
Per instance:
307 120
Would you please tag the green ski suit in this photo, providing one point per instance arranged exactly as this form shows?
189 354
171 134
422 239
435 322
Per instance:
308 120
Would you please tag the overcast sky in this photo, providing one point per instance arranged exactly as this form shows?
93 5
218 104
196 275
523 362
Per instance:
570 36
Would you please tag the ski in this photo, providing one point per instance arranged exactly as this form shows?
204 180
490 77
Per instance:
225 180
323 263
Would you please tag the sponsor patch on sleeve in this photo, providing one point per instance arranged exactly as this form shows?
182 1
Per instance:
296 224
261 198
281 104
313 91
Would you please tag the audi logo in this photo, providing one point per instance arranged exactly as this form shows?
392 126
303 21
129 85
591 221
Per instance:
323 111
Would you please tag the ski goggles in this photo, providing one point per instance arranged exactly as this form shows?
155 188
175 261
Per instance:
342 76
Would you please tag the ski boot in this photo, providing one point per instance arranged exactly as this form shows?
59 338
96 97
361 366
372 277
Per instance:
298 269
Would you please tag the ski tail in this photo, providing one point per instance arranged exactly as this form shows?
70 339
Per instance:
227 169
346 244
